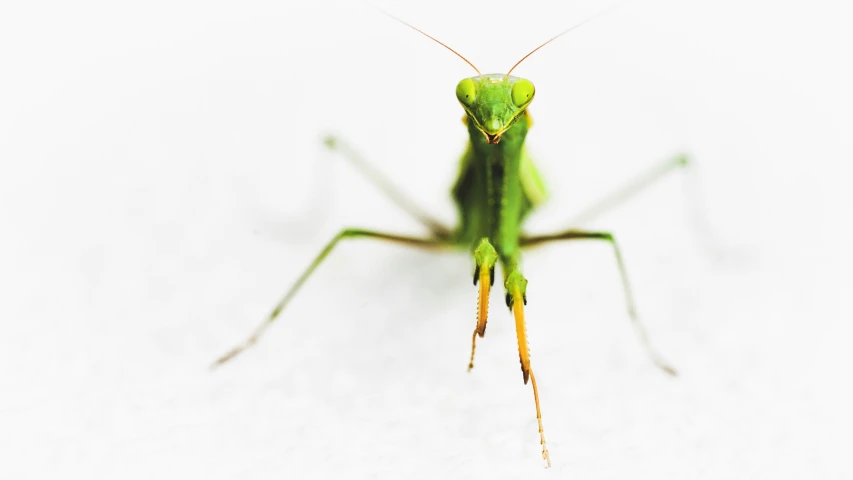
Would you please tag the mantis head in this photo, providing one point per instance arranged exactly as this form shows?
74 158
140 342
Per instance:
494 102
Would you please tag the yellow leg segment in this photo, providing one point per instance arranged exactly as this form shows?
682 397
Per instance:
516 299
485 281
485 257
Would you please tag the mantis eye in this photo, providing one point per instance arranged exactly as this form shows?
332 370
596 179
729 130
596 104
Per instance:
522 92
466 92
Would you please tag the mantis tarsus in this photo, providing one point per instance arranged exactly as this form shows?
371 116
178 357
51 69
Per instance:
497 187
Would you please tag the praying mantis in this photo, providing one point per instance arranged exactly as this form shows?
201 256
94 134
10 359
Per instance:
497 187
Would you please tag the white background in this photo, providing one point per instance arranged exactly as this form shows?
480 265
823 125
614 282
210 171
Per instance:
162 182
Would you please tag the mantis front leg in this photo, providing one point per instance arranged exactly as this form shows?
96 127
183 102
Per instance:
516 299
485 257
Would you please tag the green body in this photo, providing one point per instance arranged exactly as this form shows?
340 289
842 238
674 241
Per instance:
490 195
498 184
497 188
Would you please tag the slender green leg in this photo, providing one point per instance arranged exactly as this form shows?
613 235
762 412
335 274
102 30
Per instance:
288 296
639 328
640 183
437 228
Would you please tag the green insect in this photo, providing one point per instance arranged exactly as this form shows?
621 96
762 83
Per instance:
497 187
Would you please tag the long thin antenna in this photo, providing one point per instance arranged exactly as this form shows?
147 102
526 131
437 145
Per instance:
606 10
430 37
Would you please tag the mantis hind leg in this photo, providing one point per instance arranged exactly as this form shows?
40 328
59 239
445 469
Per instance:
291 292
437 228
639 328
694 202
625 192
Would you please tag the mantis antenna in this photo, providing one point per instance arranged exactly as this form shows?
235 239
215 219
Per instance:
555 36
433 39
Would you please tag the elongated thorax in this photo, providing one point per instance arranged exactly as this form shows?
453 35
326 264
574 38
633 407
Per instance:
489 193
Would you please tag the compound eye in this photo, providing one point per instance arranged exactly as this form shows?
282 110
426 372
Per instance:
522 92
466 92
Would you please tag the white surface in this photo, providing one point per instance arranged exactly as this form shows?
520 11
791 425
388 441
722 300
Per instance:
159 191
